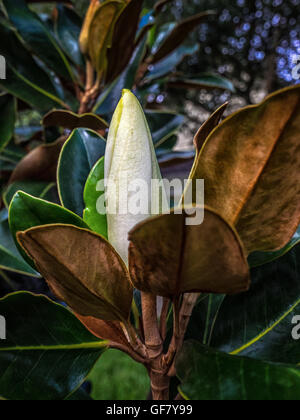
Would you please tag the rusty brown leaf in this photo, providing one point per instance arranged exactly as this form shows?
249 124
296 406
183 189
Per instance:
82 269
101 32
179 34
106 330
251 164
40 164
84 35
123 42
70 120
167 257
209 125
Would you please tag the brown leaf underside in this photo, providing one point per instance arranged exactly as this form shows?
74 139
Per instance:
169 258
40 164
67 119
123 43
82 269
251 166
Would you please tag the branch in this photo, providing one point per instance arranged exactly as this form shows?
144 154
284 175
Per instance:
153 338
187 307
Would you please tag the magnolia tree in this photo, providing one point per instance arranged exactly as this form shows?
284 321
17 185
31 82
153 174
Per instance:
197 303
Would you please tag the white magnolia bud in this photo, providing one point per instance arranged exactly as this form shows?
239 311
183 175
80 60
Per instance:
130 167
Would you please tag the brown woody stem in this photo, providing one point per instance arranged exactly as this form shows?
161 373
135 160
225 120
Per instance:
160 382
92 90
153 338
187 307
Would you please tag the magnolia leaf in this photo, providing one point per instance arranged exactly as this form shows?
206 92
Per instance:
256 153
78 156
163 125
37 189
203 81
209 375
10 258
82 269
206 128
40 164
109 99
47 354
92 194
37 36
169 63
158 7
67 29
265 333
123 45
70 120
101 32
207 257
40 92
257 259
179 34
26 212
7 119
84 34
106 330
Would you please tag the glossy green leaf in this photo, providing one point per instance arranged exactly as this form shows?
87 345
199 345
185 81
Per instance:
67 28
93 192
11 156
202 82
38 90
7 119
163 125
78 156
168 64
26 212
209 375
47 354
259 323
37 189
10 258
37 36
204 317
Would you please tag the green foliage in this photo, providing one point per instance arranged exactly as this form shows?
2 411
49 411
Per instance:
52 342
208 375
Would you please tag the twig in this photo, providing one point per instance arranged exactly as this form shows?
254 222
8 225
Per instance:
187 307
164 318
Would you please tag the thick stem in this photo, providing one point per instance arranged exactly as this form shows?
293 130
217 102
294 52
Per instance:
160 385
153 338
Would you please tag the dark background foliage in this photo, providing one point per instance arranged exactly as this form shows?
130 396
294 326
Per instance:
251 42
